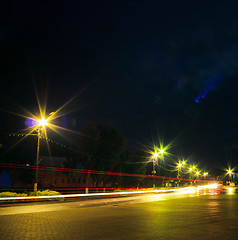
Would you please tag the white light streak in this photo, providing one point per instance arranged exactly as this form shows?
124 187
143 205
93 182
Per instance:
186 190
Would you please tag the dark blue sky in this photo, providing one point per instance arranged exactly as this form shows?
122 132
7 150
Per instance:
149 68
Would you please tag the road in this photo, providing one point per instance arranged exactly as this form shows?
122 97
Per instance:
204 215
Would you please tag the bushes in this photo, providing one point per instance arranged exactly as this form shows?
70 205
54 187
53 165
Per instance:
39 193
13 194
45 193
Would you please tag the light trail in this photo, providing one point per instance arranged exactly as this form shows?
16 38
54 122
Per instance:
10 165
186 190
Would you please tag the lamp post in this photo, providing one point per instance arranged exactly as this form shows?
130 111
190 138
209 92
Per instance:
230 174
197 174
179 168
190 172
155 156
41 124
205 174
161 151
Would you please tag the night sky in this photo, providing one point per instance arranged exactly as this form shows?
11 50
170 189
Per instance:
154 69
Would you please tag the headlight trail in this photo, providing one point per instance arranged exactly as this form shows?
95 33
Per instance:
186 190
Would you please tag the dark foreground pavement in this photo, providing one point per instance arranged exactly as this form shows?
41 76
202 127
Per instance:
154 216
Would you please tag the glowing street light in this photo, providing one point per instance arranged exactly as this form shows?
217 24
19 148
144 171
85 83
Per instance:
39 127
42 122
197 174
190 171
161 151
205 174
230 173
39 123
179 167
155 157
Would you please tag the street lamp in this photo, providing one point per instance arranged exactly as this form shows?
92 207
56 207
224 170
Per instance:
161 151
179 167
40 126
155 157
197 174
205 174
230 172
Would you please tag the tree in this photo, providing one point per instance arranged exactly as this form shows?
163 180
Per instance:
138 165
101 147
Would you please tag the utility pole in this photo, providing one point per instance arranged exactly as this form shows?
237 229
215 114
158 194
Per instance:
37 159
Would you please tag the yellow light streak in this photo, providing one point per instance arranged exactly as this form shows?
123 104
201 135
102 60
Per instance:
176 191
209 186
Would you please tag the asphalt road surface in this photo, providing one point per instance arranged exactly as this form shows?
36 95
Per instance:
204 215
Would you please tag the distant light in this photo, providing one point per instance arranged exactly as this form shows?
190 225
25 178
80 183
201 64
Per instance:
156 154
183 162
161 151
190 169
179 165
231 190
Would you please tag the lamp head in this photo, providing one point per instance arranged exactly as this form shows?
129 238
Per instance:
42 122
